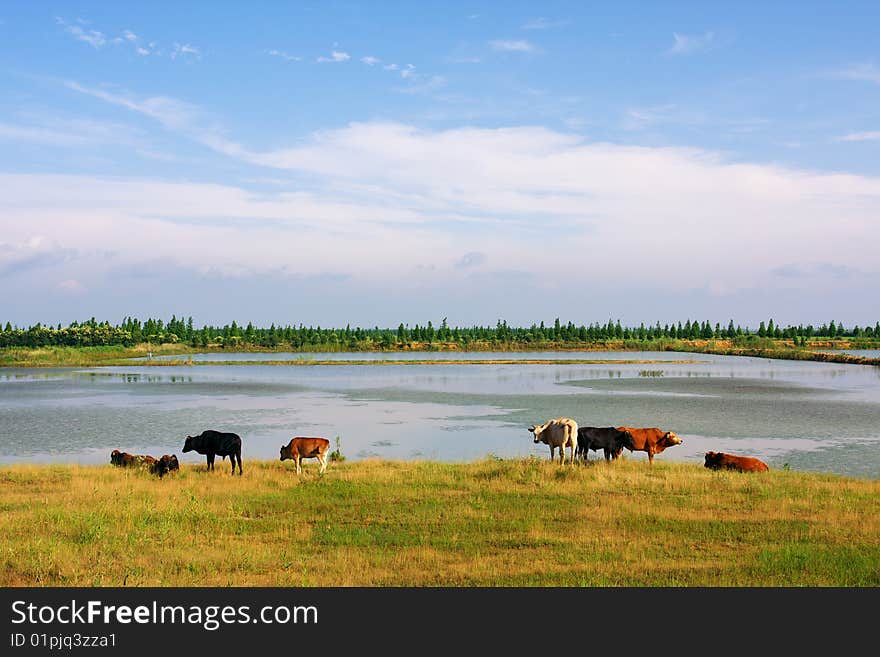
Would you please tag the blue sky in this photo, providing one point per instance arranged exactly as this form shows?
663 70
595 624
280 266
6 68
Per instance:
377 163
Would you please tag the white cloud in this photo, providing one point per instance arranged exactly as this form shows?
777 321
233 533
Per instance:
130 36
384 198
872 135
283 55
686 44
335 56
391 67
94 38
370 61
182 50
512 46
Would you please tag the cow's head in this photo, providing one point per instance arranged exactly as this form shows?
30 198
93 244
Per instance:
670 439
115 456
285 452
537 431
713 460
188 445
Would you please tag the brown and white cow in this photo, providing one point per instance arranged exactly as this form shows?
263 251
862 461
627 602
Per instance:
126 460
559 432
651 440
723 461
609 439
302 447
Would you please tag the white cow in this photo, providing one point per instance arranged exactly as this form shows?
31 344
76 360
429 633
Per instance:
559 432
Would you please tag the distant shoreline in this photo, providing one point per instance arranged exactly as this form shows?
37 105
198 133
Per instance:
124 356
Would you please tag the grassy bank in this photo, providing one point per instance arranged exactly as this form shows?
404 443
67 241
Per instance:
523 522
761 348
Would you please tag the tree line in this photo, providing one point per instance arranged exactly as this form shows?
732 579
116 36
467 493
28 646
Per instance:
133 331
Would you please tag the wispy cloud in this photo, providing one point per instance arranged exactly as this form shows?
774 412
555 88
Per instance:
643 117
511 45
543 24
335 56
864 72
185 49
871 135
94 38
687 44
98 40
370 61
283 55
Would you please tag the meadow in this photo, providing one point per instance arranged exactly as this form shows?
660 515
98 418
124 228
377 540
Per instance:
491 522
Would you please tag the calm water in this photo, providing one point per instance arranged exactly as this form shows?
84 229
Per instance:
822 417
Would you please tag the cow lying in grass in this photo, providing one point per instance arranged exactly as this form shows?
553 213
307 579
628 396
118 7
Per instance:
126 460
722 461
306 448
165 464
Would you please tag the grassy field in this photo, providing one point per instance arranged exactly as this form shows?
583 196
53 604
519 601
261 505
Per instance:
520 522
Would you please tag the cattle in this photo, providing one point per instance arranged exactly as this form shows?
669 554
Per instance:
165 464
651 440
303 447
126 460
216 443
723 461
609 439
559 432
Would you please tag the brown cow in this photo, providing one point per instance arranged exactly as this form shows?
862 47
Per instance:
165 464
302 447
722 461
609 439
559 432
651 440
126 460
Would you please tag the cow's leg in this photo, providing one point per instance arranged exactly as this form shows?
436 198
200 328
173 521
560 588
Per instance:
238 454
232 461
552 452
650 456
210 457
323 461
298 465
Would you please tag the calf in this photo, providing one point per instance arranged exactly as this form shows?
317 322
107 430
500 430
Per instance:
216 443
165 464
722 461
609 439
302 447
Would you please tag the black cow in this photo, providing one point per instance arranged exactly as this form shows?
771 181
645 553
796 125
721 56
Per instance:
609 439
216 443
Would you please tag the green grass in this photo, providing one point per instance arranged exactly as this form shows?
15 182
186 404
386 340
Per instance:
518 522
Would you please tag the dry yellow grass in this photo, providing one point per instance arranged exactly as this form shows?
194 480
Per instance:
490 523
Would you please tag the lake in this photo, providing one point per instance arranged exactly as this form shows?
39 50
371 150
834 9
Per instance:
810 416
